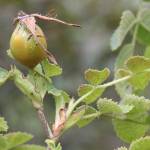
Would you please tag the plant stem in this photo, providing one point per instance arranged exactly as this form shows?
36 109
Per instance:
114 82
48 148
135 35
70 110
44 123
138 18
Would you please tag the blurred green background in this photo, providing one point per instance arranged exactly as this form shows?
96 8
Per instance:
76 50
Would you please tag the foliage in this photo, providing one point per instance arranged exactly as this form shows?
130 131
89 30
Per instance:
3 125
130 116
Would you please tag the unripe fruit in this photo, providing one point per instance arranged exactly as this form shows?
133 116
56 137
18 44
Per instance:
25 49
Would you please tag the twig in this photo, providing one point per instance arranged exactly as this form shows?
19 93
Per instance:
70 110
48 148
45 124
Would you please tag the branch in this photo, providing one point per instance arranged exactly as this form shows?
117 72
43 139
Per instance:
44 123
70 110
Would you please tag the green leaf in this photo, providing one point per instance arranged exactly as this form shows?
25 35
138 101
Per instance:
144 29
129 131
138 68
40 83
3 125
59 147
145 18
96 77
3 143
135 124
85 88
54 91
138 64
147 52
141 104
123 73
122 148
29 147
123 88
51 70
75 117
138 81
124 54
60 104
65 96
88 111
141 144
61 100
140 110
143 36
4 75
106 106
17 138
43 84
128 20
58 93
52 145
38 69
26 86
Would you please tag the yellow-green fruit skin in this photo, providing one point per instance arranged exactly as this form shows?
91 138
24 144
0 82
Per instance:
25 49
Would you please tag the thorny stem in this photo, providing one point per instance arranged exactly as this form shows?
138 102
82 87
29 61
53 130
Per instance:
48 148
45 124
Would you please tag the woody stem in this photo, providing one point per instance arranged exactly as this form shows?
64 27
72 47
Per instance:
44 123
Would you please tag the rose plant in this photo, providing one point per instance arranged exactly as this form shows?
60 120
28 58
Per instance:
130 116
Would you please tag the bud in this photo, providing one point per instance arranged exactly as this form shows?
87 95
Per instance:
25 49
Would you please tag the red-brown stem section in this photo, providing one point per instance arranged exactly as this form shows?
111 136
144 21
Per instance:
48 148
44 123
